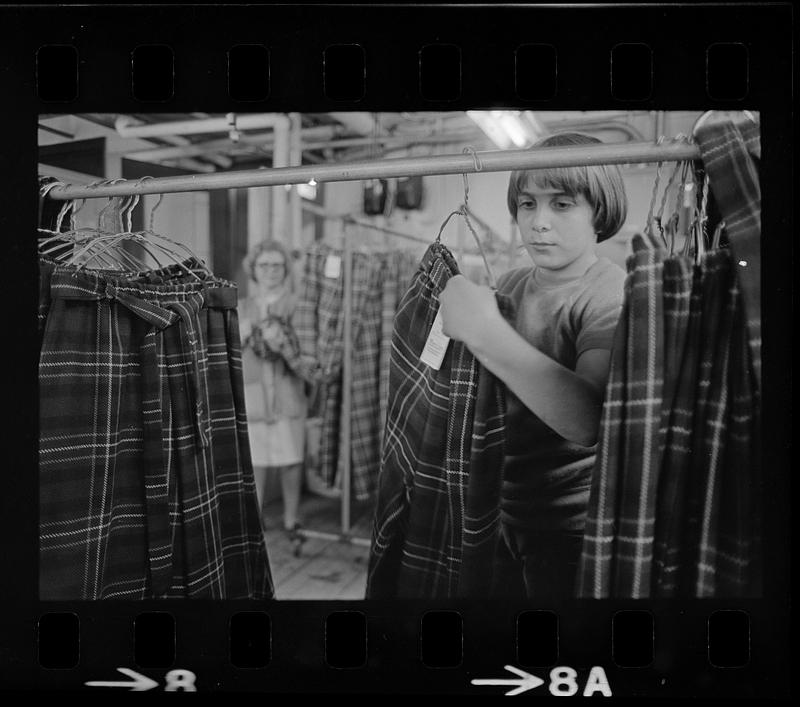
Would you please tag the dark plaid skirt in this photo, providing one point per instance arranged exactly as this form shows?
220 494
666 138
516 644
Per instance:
319 323
437 517
731 152
146 485
674 509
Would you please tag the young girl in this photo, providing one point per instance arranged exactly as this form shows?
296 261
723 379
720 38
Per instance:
554 362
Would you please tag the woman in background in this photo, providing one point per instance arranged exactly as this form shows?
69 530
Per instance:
275 396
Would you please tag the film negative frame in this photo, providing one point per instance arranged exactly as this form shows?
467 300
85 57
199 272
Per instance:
197 651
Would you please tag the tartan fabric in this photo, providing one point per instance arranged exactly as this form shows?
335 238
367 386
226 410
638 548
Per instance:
437 515
317 320
675 502
146 487
365 385
390 298
731 154
399 269
319 323
319 326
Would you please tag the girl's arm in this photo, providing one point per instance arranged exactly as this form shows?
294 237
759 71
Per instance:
569 402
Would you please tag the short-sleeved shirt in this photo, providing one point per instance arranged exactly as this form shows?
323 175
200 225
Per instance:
547 478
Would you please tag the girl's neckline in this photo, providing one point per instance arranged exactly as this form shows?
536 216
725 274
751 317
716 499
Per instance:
555 285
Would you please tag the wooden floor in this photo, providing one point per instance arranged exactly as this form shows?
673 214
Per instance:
325 569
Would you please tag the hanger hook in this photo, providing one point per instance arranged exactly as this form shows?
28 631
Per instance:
110 201
63 212
478 167
45 190
129 212
651 211
151 220
469 149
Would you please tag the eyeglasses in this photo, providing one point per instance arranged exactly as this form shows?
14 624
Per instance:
273 266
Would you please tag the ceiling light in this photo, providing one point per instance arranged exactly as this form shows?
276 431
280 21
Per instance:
508 128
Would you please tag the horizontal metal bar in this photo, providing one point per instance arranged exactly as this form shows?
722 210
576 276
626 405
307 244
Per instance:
338 537
494 161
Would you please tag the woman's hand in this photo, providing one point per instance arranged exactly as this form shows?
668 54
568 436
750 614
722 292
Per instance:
466 309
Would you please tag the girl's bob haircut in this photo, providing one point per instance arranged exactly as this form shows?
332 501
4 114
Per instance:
601 185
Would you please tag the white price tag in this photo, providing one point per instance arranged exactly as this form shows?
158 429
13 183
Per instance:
333 266
436 345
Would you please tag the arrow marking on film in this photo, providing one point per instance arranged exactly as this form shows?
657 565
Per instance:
528 681
140 683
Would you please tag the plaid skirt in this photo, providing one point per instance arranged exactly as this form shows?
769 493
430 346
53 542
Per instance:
674 509
319 323
436 522
145 478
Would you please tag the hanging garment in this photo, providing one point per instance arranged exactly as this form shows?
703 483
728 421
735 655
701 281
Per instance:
674 506
399 269
146 485
437 515
365 379
389 301
319 323
319 326
731 153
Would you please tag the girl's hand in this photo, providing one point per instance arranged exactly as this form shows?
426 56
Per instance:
466 310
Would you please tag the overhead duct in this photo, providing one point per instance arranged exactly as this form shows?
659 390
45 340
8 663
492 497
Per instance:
358 122
323 132
128 127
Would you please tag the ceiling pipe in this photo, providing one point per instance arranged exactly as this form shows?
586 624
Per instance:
323 132
359 122
128 127
319 139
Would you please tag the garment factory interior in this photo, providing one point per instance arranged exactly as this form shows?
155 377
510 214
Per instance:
322 551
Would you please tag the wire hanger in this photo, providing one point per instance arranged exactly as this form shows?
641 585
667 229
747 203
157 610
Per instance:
95 241
659 218
151 242
60 245
674 221
649 230
464 212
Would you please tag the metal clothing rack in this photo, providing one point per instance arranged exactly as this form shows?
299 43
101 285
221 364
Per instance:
490 161
676 150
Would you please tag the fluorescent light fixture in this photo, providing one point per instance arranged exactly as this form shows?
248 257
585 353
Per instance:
508 128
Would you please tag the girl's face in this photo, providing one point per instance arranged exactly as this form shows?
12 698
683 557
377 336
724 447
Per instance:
270 269
557 229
